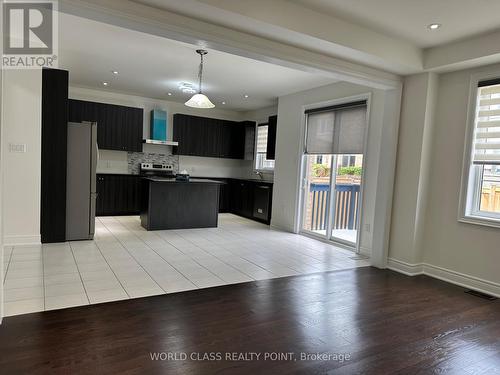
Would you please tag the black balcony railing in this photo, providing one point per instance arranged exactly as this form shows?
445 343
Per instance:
346 206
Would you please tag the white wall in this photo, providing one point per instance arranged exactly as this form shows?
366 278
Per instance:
215 167
465 248
116 161
21 124
380 159
261 115
428 186
111 161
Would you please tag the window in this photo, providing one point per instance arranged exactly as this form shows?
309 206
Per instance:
348 161
483 189
261 163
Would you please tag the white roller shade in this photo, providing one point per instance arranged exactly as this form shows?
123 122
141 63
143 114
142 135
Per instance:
487 130
336 131
350 132
320 133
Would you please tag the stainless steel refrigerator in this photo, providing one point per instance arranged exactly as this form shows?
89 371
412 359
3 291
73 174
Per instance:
81 181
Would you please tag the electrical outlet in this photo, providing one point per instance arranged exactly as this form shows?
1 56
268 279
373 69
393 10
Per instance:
368 228
17 148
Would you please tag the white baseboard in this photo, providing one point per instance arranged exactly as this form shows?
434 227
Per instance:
450 276
466 281
409 269
21 240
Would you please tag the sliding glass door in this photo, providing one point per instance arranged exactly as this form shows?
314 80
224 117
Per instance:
331 196
317 182
346 199
332 172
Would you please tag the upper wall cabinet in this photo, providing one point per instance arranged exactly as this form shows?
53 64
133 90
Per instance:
271 138
118 127
249 148
202 136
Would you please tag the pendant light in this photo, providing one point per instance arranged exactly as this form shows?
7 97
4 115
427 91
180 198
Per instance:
200 100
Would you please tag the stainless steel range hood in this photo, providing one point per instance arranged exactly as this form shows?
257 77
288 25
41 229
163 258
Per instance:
158 142
158 129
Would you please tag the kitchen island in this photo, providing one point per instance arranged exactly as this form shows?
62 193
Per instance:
170 204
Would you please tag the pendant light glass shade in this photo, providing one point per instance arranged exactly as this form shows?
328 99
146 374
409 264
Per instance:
200 100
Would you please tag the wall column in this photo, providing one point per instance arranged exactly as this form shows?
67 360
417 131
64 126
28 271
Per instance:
412 172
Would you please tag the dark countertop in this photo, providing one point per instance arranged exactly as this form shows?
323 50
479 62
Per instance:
255 180
239 179
174 181
194 178
118 174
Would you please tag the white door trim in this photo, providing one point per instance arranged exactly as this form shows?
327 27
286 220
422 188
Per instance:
301 192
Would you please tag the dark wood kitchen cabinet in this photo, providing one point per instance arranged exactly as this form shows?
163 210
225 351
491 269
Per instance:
224 196
54 155
271 138
118 195
232 136
118 127
209 137
197 136
249 140
242 198
224 193
251 199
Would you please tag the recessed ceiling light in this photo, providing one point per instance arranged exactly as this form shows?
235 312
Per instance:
246 96
169 93
115 72
223 103
105 83
434 26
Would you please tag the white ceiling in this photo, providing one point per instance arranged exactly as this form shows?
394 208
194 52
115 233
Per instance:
151 66
408 18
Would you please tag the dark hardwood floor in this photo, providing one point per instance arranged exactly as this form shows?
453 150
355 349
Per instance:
386 322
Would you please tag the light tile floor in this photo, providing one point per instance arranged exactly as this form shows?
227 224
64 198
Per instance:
125 261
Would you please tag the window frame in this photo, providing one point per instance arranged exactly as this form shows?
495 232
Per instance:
470 186
255 167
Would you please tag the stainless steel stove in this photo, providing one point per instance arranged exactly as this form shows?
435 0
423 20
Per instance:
154 169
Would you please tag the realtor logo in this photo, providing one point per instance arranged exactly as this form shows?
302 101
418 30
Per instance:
29 34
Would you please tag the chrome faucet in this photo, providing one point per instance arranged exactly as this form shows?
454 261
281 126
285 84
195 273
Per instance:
260 174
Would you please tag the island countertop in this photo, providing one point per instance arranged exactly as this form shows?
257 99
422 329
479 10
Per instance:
190 181
170 204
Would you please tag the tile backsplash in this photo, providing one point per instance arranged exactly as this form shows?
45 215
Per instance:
134 159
